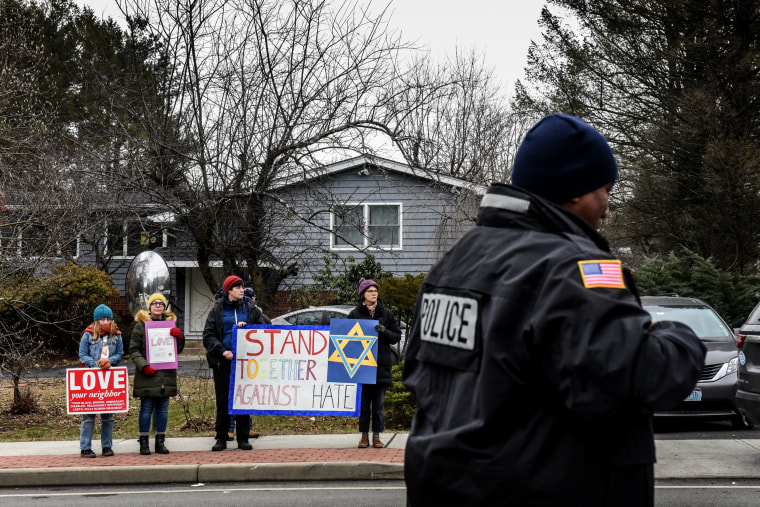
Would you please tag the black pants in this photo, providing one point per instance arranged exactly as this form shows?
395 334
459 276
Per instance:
222 391
372 404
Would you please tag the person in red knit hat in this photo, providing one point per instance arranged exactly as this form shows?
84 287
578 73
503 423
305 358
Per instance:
153 387
233 308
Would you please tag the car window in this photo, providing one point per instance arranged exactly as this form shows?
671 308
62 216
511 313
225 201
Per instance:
332 314
703 321
754 317
311 318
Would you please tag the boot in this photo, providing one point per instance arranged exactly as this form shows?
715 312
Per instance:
144 449
364 442
376 443
220 445
160 447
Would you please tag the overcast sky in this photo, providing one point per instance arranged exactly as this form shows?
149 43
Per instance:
500 29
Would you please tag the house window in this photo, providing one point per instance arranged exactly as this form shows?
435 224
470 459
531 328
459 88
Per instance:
115 240
349 226
136 236
10 241
143 236
367 225
35 241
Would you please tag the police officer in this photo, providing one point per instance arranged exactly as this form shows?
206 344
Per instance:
534 367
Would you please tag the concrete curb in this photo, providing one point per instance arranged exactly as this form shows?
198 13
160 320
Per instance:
192 474
344 470
80 476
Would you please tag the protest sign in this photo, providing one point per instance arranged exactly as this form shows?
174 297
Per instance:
283 370
95 391
353 351
160 346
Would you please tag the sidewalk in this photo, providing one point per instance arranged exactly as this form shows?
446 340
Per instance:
306 457
273 458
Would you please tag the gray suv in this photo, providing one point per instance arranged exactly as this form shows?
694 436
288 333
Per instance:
748 341
714 396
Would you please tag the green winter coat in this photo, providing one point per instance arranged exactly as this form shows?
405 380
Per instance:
161 384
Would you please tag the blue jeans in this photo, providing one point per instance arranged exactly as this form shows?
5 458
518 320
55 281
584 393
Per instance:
232 424
147 405
372 405
88 426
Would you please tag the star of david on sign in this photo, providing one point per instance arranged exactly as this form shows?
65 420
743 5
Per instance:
352 364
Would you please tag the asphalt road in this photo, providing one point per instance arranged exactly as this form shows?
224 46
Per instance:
275 494
325 493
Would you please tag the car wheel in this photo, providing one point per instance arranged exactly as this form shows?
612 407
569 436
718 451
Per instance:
741 422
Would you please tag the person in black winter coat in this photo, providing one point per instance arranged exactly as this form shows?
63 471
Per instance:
233 308
153 387
534 367
388 333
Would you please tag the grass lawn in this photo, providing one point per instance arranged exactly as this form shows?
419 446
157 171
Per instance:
190 414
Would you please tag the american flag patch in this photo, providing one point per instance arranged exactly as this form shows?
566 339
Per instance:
603 273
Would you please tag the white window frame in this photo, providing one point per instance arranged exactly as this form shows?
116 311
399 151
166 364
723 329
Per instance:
123 252
21 243
18 241
365 226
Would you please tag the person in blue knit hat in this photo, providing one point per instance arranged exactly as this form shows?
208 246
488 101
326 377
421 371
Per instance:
99 347
534 367
569 163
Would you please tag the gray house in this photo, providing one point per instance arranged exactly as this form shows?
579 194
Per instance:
405 218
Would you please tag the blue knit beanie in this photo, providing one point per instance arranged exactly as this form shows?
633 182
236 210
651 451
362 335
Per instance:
101 312
562 157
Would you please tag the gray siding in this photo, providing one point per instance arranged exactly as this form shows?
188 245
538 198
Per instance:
433 217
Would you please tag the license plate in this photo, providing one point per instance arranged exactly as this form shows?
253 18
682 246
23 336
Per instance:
696 395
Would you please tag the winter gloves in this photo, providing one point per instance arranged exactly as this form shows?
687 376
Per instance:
176 333
103 363
380 329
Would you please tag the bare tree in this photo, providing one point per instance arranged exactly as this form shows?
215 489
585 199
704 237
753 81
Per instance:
44 198
454 120
256 93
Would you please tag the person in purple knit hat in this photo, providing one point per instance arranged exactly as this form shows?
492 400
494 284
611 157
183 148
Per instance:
370 307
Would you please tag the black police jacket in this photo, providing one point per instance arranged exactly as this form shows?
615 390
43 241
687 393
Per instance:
534 367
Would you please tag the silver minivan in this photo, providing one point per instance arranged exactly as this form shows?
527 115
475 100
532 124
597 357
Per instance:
714 396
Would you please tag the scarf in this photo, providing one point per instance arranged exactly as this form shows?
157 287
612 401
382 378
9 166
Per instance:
371 309
104 330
